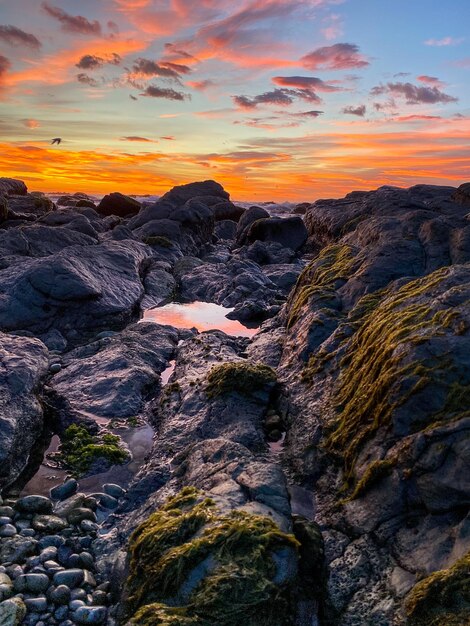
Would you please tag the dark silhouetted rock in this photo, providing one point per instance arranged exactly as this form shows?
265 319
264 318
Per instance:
12 186
290 232
182 193
118 204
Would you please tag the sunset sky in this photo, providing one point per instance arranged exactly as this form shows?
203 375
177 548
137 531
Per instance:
275 99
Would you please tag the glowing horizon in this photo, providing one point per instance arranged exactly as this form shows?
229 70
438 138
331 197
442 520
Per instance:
274 99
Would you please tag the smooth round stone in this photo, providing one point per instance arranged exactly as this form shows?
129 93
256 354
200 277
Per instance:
36 605
70 577
33 583
105 334
61 613
104 586
51 540
90 615
55 368
5 579
90 502
79 514
86 561
48 554
78 594
73 561
108 502
116 491
85 542
27 532
12 611
76 604
6 591
14 571
52 566
4 519
67 622
7 511
34 504
48 523
22 523
99 597
63 554
88 579
89 527
8 530
67 489
60 595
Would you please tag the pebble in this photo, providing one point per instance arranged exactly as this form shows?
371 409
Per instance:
107 501
7 530
34 583
76 604
61 613
78 594
48 523
12 611
27 532
34 504
70 577
48 554
51 540
67 489
77 515
86 561
7 511
116 491
36 605
60 594
90 615
4 519
88 527
55 368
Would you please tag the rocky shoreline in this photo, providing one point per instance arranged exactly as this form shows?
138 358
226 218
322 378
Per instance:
314 473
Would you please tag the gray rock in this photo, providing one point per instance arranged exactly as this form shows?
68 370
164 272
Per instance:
32 583
67 489
90 615
24 365
60 594
116 491
12 186
36 605
69 577
48 523
290 232
17 549
12 612
7 530
34 504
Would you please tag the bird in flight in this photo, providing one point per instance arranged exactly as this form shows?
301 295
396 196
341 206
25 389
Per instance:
56 140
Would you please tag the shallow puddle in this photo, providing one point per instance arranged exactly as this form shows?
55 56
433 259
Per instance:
139 441
200 315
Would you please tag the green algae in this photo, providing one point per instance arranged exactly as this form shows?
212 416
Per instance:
79 449
158 240
441 599
319 279
242 378
234 551
375 379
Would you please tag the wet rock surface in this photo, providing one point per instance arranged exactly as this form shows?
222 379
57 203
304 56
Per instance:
314 473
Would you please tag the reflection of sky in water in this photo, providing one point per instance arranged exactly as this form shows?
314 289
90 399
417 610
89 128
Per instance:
200 315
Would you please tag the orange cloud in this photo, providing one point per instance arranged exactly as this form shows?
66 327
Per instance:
31 123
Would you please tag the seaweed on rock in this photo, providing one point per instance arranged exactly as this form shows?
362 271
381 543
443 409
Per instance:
443 598
191 563
243 378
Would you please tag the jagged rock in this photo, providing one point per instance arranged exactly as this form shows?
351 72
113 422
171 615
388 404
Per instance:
104 279
114 377
24 364
290 232
462 195
118 204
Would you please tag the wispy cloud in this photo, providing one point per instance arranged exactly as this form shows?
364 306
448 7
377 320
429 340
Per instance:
31 123
445 41
72 23
360 110
152 91
92 62
14 36
340 56
414 94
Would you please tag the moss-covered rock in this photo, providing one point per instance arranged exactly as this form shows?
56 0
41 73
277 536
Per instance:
158 240
243 378
387 363
79 450
191 563
441 599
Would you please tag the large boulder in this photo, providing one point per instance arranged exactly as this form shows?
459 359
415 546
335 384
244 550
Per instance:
12 186
78 289
24 363
115 376
462 195
227 211
182 193
118 204
289 232
251 215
